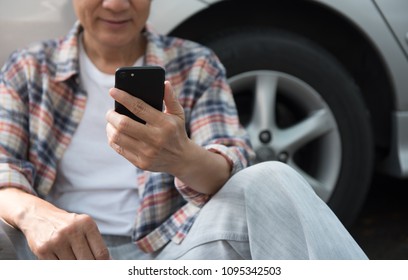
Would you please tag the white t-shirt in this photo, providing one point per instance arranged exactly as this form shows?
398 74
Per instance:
91 177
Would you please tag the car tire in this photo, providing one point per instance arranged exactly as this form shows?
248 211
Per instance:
301 107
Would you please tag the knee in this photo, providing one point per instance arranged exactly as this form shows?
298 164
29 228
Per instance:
268 170
275 168
271 174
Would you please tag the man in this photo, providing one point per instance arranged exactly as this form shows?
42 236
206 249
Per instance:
171 188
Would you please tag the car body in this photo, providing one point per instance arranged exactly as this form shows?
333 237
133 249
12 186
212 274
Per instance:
319 84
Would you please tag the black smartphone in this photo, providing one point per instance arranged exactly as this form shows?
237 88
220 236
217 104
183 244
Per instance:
144 82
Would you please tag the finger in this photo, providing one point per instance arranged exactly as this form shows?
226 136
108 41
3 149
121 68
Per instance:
128 147
65 252
121 127
118 138
114 138
81 249
135 105
123 123
171 102
45 251
96 244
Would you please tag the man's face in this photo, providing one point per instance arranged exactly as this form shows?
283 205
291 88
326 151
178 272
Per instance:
112 23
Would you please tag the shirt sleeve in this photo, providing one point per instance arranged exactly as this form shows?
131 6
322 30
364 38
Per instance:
15 169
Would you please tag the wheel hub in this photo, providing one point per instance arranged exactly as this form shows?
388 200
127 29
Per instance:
265 136
265 153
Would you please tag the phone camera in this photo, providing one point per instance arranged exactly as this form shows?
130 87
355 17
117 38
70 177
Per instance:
122 75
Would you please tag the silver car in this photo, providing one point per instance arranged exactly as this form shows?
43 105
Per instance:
321 84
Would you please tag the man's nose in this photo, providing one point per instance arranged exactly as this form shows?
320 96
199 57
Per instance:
116 5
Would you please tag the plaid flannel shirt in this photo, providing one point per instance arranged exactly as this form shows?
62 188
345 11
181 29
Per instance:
42 102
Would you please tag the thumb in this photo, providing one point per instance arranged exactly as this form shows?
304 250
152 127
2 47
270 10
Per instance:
172 105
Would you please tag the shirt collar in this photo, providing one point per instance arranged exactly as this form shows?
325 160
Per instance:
67 56
155 51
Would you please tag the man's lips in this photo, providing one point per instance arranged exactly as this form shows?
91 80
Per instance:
116 21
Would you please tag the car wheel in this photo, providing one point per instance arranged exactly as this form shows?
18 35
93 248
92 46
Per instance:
300 106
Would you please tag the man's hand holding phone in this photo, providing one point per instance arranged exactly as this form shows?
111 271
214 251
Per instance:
157 145
161 144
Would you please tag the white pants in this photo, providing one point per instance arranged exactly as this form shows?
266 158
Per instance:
266 211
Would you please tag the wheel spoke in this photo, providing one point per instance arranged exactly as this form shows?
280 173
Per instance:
265 99
318 124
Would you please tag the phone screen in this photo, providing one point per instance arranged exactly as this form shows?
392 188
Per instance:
144 82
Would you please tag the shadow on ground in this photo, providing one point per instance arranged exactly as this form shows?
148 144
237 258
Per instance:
382 226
